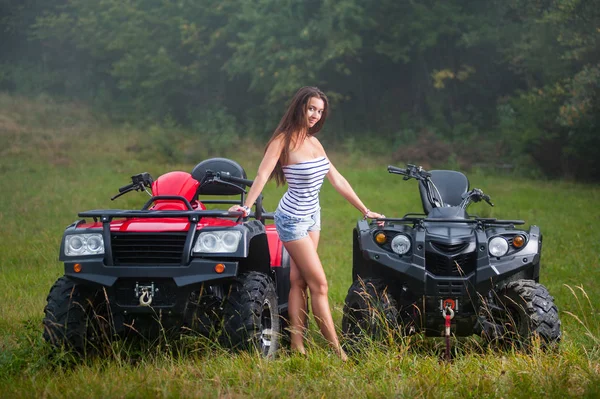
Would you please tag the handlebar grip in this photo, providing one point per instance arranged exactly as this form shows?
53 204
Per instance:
395 169
126 188
226 176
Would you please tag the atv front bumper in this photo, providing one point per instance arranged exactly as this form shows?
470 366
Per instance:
144 290
198 271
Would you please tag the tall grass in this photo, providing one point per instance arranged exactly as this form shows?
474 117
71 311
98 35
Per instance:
59 159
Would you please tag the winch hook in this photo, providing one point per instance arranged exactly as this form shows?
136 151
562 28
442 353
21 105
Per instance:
448 312
145 298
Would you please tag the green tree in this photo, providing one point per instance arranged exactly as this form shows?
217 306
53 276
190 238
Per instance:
156 57
558 56
22 69
281 45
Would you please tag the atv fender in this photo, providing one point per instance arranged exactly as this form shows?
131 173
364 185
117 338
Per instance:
258 258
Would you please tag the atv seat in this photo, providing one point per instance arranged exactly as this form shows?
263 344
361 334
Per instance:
451 186
219 165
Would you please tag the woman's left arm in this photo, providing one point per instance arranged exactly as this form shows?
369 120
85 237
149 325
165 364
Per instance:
342 186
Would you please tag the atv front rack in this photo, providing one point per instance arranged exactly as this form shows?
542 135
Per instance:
106 215
419 219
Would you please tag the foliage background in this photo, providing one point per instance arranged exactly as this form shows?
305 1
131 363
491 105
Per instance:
501 83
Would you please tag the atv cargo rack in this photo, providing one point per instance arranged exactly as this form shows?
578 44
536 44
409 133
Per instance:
420 219
106 215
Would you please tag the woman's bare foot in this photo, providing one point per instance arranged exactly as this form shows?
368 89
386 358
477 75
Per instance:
299 350
341 354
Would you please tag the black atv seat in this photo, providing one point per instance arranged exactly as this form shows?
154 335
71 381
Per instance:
219 165
451 185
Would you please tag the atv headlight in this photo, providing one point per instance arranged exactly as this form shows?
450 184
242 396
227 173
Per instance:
84 244
498 246
400 244
217 241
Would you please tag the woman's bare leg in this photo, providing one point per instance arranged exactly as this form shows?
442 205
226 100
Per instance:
309 265
297 308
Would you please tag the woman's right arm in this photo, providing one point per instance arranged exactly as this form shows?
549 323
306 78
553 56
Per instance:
265 169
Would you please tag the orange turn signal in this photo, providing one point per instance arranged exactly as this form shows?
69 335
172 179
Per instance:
380 238
518 241
77 267
219 268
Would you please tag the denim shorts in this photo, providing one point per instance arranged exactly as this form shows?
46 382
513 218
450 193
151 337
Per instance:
292 228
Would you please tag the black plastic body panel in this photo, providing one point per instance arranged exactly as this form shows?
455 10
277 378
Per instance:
426 274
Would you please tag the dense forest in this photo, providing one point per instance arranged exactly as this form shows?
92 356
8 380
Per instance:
501 82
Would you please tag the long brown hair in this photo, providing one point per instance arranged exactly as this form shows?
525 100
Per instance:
294 126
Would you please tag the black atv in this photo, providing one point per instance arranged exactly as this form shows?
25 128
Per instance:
445 270
173 267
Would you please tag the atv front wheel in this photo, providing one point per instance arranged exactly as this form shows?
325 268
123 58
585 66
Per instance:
369 312
71 316
251 315
525 310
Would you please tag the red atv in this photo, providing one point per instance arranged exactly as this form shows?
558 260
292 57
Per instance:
173 266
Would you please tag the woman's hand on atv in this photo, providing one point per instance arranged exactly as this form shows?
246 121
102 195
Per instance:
374 215
239 208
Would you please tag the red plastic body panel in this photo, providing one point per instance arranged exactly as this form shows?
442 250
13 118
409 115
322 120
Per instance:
275 245
176 183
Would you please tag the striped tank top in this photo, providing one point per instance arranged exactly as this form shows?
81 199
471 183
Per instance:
304 181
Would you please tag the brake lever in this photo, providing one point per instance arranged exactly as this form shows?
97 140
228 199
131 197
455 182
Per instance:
217 178
123 193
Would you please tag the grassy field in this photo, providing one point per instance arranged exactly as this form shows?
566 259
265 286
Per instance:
56 160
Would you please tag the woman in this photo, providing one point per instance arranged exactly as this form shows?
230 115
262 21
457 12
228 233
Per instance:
294 155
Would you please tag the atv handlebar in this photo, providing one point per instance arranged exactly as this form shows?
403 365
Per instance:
226 176
397 170
138 183
475 195
418 173
410 172
128 187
